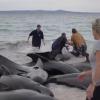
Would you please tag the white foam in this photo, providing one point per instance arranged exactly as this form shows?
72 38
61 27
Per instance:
30 49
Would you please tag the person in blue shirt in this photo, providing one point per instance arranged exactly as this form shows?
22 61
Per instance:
37 36
58 44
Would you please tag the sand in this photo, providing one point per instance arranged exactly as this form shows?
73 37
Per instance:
67 93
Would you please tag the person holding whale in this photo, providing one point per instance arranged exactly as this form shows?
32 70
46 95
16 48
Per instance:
58 45
79 44
37 36
93 91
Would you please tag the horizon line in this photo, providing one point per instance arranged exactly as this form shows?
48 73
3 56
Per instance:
49 11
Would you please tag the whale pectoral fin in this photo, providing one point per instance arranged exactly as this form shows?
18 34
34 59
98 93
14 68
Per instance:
3 87
51 80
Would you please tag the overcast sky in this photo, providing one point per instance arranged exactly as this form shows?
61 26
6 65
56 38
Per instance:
70 5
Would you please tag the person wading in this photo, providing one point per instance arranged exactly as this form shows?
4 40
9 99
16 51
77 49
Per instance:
37 36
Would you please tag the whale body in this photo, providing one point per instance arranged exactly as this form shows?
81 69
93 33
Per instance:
23 95
14 82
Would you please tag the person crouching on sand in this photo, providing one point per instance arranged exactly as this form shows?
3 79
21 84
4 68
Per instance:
79 44
93 91
37 36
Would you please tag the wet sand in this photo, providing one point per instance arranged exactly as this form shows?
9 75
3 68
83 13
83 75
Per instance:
67 93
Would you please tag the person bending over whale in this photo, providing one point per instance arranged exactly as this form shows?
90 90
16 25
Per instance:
79 44
58 44
37 36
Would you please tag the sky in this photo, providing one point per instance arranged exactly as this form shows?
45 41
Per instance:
69 5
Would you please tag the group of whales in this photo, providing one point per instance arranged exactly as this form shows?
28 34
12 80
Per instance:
63 73
21 82
16 82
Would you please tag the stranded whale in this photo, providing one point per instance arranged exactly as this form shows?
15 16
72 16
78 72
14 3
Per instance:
23 95
71 80
8 67
14 82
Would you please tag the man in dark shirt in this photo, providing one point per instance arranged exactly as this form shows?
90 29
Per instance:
58 44
37 36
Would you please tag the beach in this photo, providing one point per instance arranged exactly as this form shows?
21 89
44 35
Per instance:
67 93
16 26
61 92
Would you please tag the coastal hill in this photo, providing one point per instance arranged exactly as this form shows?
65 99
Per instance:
46 11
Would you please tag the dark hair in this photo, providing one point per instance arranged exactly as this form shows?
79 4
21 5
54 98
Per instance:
38 25
74 30
96 26
63 34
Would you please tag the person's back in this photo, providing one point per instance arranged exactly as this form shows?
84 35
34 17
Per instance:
59 43
79 44
56 43
78 39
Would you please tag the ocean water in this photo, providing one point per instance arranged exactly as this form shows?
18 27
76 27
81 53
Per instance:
15 27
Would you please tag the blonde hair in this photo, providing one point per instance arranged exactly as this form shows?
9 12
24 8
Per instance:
96 25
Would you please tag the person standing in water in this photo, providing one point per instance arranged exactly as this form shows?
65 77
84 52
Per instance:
93 91
37 36
79 44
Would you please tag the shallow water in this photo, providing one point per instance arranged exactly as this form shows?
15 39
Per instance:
16 26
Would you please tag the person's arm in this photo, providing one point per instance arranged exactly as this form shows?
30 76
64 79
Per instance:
71 42
84 74
30 36
97 71
66 43
42 38
89 91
